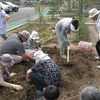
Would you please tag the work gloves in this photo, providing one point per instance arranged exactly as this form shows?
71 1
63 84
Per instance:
17 87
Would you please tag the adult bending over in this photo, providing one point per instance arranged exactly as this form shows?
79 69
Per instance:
49 72
63 28
14 46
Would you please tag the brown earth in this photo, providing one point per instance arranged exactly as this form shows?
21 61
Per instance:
83 73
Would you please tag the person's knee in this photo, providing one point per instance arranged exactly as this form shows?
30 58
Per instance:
31 76
19 60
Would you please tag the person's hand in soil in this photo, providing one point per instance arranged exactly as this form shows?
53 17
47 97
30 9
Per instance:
17 87
27 75
12 74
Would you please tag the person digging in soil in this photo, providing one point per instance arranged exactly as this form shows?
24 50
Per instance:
95 15
49 72
51 93
63 28
90 93
5 62
14 46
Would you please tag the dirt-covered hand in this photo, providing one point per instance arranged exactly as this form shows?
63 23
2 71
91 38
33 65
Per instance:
12 74
17 87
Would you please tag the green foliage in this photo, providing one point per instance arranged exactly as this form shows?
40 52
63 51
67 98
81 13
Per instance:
29 24
45 35
75 38
8 91
12 80
97 2
39 8
82 25
83 28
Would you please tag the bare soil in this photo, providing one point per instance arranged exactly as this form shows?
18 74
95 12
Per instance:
83 73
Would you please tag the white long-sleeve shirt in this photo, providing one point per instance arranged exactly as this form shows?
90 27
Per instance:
64 26
98 24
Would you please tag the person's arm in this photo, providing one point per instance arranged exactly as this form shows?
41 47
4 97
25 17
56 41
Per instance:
64 35
9 85
98 26
21 52
27 74
8 73
6 18
26 57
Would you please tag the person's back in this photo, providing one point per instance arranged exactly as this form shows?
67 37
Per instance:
90 93
10 46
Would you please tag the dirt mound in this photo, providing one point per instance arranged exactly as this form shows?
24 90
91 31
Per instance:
82 73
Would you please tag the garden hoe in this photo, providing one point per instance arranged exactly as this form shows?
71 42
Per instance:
68 64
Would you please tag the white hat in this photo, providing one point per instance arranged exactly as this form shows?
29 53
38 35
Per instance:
25 34
93 12
34 35
39 55
6 60
73 28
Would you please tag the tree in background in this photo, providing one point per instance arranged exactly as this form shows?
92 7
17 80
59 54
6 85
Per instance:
97 2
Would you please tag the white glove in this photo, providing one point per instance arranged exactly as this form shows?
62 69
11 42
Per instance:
12 74
17 87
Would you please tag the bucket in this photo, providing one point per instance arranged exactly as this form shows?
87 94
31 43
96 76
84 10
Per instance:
84 45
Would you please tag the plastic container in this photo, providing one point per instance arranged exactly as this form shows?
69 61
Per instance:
84 45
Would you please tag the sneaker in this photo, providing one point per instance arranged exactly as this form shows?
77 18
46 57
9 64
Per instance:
40 92
63 56
98 58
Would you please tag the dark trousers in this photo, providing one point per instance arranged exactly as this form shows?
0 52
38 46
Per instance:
38 81
98 47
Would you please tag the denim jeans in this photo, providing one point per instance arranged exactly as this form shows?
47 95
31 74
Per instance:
38 81
61 41
4 36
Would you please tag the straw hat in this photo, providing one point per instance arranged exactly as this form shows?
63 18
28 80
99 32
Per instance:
93 12
34 35
6 60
